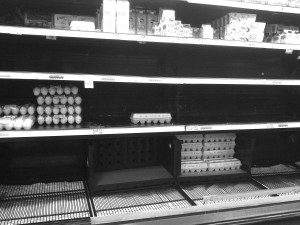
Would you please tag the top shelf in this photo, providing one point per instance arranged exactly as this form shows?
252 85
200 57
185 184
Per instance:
54 33
247 5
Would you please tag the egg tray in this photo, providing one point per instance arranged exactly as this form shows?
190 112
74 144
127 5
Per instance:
230 137
194 167
218 154
191 155
189 147
149 118
213 146
224 164
192 138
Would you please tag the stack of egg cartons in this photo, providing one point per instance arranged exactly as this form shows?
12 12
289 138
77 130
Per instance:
58 105
191 154
17 117
218 152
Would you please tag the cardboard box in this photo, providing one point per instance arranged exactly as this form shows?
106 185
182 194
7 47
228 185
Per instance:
141 22
166 15
122 21
132 21
206 31
152 18
63 21
108 12
38 20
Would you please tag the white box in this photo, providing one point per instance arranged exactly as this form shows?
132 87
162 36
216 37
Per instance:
109 10
206 31
122 23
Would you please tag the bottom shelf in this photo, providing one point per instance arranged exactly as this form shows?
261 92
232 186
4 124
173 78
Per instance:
129 176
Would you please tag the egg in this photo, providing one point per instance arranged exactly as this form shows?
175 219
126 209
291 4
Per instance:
55 100
1 124
74 90
52 90
41 119
63 100
63 110
64 120
44 90
8 123
40 100
40 110
18 123
71 119
78 109
48 100
23 110
48 110
28 122
31 109
36 91
78 119
55 120
15 110
48 120
67 90
71 109
78 100
6 110
71 100
55 110
59 90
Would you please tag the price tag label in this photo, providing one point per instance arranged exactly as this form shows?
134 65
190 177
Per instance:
56 77
97 131
51 38
277 82
289 51
192 128
283 125
205 128
270 126
4 134
88 83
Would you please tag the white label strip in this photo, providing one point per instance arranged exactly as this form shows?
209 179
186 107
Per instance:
242 126
45 133
146 129
246 5
139 38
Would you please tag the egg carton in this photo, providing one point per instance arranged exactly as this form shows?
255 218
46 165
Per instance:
191 138
191 155
143 118
230 137
213 146
218 154
189 147
223 164
194 167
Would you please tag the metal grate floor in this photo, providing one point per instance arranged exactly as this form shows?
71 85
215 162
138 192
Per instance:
279 181
139 201
25 204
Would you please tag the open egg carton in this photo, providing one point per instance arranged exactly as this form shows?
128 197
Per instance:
191 147
142 118
227 137
191 138
223 165
213 146
218 154
192 167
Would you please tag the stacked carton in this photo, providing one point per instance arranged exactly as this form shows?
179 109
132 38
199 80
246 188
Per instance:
279 33
208 153
239 27
58 104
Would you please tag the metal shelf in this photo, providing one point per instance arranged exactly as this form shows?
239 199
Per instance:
53 33
247 5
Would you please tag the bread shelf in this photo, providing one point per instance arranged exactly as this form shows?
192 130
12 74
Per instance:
53 33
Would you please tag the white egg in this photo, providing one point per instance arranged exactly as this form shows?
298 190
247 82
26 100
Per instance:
48 120
6 110
41 119
52 90
55 100
27 123
36 91
71 100
59 90
78 109
40 100
23 110
63 110
78 119
71 119
55 120
48 110
8 123
64 120
67 90
31 109
15 110
44 90
71 109
40 110
55 110
48 100
63 100
18 123
74 90
78 100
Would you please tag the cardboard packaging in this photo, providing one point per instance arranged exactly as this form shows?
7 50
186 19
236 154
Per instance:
63 21
108 12
122 20
206 31
152 18
141 22
132 21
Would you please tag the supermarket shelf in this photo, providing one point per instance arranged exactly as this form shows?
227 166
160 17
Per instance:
90 131
146 80
247 5
254 126
53 33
